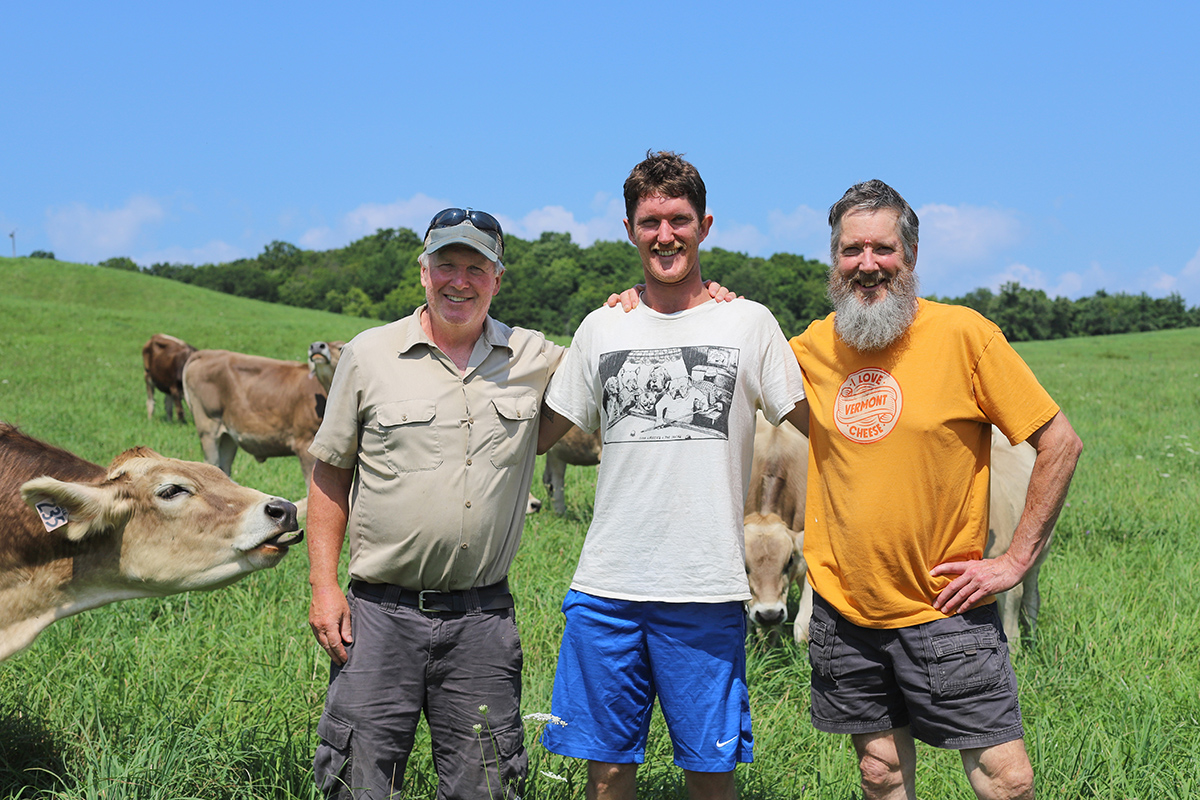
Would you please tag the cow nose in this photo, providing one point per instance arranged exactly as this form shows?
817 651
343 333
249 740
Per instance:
768 617
283 513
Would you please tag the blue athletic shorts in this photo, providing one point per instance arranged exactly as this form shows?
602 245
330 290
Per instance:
618 655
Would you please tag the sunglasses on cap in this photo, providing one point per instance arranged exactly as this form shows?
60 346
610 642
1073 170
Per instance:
450 217
481 220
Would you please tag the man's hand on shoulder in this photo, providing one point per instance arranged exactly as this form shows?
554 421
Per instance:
630 298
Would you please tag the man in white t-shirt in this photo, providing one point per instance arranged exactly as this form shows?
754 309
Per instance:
655 606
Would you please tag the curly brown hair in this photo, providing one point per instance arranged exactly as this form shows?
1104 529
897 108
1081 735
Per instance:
666 174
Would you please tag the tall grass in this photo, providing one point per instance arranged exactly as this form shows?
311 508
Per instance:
216 695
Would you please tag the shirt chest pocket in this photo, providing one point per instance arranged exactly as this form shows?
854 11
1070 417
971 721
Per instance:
514 429
409 435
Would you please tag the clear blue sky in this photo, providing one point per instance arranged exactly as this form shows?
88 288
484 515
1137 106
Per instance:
1057 144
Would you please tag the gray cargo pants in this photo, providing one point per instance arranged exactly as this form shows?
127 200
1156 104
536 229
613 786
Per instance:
404 662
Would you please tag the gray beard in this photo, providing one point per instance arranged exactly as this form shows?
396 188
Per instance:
873 327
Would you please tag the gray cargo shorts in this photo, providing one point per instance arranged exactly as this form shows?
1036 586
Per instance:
404 661
949 680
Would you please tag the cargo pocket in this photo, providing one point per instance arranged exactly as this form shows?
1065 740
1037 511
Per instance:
508 751
410 438
332 762
820 650
514 428
966 661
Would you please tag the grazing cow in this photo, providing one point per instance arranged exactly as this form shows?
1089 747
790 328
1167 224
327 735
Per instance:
774 527
576 447
74 535
267 407
1011 470
323 360
163 358
777 493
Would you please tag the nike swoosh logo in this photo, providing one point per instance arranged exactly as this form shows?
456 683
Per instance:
727 742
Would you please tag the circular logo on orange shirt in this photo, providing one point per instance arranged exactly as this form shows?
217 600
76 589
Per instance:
868 405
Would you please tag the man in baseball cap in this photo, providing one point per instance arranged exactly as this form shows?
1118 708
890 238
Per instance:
426 457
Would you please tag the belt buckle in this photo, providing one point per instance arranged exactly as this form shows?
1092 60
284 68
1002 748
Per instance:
421 602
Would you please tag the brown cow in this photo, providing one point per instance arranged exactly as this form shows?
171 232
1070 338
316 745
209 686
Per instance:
74 535
163 358
323 360
774 527
576 447
267 407
777 485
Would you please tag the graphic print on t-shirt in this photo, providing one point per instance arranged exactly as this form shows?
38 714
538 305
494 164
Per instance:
668 393
868 405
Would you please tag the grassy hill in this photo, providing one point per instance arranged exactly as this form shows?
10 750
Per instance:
72 339
216 695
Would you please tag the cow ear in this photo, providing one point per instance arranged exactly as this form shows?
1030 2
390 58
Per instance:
76 510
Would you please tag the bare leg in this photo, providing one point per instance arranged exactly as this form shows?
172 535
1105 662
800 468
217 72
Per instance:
1002 772
710 785
611 781
887 762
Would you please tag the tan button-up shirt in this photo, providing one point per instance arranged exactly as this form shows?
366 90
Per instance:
443 459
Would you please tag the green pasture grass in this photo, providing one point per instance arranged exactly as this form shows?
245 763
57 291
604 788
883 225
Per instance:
216 695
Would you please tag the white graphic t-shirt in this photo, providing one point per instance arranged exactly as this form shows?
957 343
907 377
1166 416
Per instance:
675 396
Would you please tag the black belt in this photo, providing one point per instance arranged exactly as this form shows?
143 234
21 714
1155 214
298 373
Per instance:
482 598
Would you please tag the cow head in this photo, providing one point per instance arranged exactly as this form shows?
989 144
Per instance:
167 525
323 360
774 558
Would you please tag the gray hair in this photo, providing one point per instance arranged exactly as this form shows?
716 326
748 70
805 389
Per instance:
423 260
874 195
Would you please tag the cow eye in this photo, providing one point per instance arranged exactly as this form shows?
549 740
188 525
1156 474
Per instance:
172 491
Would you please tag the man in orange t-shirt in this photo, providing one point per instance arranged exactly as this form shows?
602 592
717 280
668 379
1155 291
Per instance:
905 642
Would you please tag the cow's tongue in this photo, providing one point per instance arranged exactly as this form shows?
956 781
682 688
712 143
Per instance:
287 538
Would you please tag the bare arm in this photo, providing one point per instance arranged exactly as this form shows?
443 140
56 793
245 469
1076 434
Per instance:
1058 448
798 416
328 510
551 427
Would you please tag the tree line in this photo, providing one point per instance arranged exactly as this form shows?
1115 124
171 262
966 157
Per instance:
552 283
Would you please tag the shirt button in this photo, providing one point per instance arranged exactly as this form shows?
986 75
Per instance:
404 417
464 546
468 462
470 420
468 504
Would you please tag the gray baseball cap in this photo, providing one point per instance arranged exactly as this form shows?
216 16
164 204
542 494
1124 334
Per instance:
457 226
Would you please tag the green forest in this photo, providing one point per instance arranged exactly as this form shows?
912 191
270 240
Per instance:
552 283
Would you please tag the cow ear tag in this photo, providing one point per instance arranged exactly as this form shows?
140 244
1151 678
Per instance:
53 517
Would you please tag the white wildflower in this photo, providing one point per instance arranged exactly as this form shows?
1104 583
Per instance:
545 719
554 777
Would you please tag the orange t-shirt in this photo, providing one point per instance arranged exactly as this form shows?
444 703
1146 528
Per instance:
899 456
